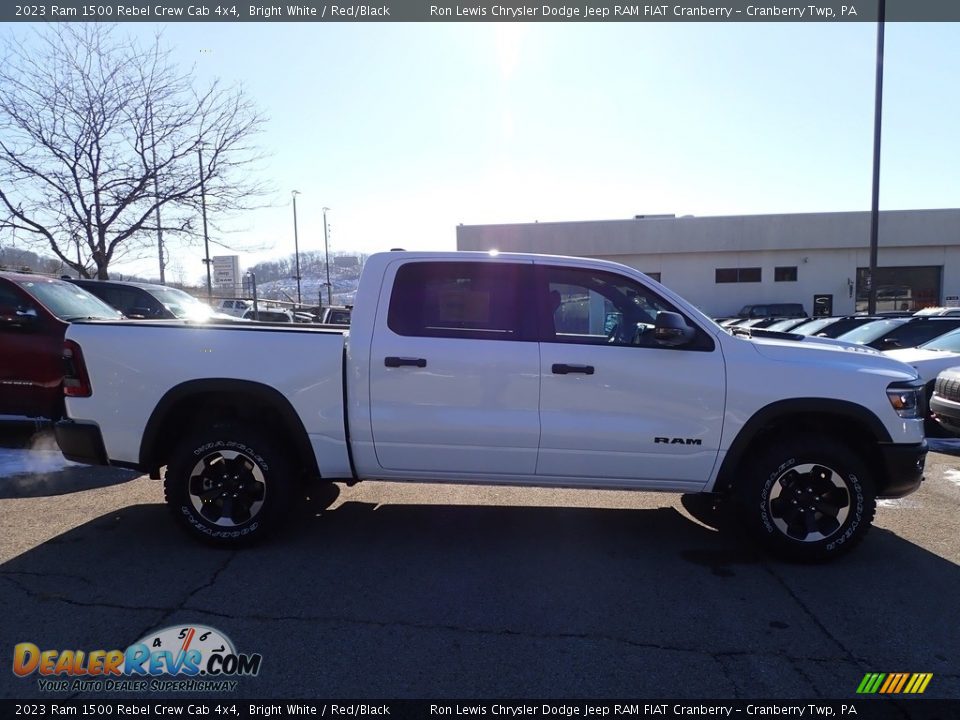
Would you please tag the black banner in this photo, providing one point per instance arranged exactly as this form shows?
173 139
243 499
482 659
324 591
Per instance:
475 11
873 709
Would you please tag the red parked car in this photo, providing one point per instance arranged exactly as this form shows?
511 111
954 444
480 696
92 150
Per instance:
34 314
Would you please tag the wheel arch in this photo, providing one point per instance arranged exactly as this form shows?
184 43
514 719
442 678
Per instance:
185 406
853 423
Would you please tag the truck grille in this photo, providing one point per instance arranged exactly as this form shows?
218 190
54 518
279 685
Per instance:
948 387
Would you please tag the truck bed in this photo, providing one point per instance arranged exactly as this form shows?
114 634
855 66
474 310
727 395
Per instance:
305 364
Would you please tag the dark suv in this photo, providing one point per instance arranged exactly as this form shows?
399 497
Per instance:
780 310
148 301
34 314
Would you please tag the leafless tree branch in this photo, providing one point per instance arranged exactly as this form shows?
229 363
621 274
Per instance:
97 132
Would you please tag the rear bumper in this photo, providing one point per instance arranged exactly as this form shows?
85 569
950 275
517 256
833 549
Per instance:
904 465
81 442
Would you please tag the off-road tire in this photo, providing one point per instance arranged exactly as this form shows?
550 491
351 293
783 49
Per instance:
229 485
807 499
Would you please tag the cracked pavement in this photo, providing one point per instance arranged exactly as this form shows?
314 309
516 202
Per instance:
424 591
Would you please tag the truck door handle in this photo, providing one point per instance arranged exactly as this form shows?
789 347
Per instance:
400 362
564 369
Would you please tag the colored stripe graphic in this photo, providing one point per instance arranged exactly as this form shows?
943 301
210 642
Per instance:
870 683
894 683
924 681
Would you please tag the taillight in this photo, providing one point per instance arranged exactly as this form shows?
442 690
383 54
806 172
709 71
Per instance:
76 383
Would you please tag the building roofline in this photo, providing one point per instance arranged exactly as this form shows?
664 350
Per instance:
677 218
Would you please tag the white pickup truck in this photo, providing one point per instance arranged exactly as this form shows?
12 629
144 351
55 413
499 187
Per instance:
506 369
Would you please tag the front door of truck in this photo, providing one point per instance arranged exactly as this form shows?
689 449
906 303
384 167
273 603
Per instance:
455 371
615 404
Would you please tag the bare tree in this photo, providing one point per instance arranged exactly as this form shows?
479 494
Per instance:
97 132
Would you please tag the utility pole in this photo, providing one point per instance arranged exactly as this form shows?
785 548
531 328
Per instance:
206 238
253 286
296 243
875 204
326 258
156 193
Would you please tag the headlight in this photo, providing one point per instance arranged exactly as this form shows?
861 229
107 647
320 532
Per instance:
906 400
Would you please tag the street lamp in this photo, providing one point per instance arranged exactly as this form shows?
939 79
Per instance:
326 258
296 242
875 195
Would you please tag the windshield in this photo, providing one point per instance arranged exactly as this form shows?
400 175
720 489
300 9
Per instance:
814 326
945 343
69 302
183 305
871 331
783 325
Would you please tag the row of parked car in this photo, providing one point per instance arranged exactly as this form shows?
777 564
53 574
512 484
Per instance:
35 311
325 315
928 340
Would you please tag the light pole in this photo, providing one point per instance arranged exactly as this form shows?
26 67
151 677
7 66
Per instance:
206 238
326 258
253 288
296 242
156 194
875 197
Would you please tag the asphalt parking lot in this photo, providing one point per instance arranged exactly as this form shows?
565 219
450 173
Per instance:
421 591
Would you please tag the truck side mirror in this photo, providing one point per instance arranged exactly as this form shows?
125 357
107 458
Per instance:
671 330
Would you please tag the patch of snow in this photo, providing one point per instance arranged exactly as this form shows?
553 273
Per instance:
899 503
952 476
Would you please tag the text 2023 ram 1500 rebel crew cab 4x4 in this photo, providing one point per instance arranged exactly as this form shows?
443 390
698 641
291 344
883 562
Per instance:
510 369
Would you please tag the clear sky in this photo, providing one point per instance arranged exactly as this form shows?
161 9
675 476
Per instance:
406 130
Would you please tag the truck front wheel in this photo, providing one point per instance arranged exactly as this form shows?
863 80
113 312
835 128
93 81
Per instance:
228 485
808 499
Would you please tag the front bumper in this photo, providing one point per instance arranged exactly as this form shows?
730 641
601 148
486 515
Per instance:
946 412
81 442
904 469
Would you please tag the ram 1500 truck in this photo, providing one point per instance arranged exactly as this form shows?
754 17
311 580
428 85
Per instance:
505 369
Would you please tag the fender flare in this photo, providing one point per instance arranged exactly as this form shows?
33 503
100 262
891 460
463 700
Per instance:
228 386
783 409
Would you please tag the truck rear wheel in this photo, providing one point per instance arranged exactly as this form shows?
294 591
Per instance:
808 499
228 485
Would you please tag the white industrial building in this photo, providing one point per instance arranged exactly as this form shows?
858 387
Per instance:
723 263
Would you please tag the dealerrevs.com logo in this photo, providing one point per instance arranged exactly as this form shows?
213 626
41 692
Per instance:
186 658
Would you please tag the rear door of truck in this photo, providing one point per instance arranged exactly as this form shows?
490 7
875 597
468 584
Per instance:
455 369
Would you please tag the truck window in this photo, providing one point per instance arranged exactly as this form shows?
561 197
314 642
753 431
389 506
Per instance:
474 300
9 299
599 308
